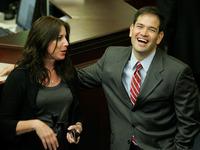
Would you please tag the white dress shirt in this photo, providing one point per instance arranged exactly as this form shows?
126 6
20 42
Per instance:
130 67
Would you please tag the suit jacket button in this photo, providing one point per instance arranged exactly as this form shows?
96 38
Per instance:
133 109
129 141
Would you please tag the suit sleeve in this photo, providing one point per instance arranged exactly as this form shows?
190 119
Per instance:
92 75
186 99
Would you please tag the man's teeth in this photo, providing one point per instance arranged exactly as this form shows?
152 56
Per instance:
142 40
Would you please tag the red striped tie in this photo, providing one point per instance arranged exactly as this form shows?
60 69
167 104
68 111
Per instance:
135 89
135 83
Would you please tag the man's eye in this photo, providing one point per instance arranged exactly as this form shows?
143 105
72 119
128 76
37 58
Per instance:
152 30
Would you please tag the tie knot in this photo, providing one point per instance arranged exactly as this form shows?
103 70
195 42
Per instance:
138 66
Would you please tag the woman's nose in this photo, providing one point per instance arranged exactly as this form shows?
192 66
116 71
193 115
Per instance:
66 43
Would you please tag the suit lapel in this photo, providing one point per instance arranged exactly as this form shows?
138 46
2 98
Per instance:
153 77
121 64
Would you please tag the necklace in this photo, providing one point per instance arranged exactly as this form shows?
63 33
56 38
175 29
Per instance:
51 81
54 78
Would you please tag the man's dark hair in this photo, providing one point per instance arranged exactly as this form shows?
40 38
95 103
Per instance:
150 10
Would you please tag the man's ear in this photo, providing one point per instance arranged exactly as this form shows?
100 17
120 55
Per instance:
131 30
160 37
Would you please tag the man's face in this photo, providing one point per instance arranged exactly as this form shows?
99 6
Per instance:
145 35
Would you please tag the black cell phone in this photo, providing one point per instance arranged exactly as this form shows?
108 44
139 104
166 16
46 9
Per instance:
74 133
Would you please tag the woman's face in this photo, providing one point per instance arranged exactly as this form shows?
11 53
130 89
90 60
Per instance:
57 48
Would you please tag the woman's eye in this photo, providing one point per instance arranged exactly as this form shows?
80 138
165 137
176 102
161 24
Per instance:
139 27
59 37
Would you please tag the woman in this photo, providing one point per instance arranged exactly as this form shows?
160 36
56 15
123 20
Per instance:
40 99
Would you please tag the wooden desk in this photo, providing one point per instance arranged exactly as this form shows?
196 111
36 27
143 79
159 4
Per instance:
95 25
93 18
11 47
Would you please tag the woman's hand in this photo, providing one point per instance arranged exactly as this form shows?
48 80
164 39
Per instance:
46 134
71 137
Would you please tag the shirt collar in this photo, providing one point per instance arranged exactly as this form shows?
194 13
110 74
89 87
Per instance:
145 62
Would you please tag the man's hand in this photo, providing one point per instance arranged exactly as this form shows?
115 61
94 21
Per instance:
6 71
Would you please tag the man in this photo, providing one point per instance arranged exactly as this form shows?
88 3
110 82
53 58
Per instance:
163 114
159 112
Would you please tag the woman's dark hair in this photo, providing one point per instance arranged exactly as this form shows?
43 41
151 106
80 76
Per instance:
150 10
43 31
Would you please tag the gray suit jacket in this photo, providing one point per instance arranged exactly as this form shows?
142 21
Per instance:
165 113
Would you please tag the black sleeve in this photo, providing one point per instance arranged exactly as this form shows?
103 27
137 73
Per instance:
11 101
